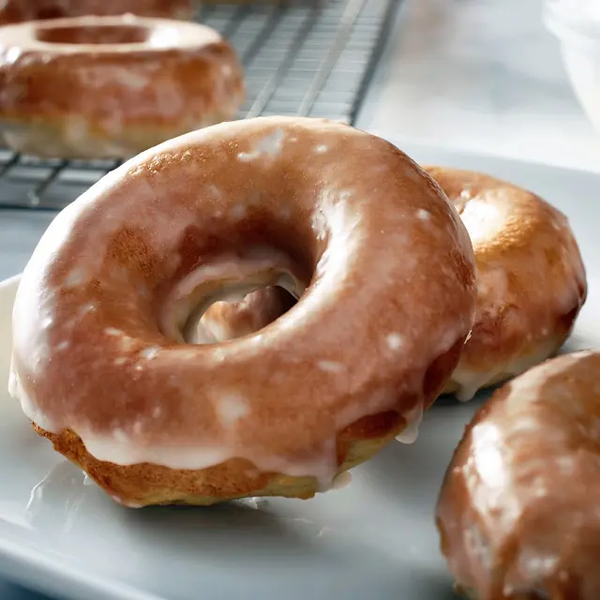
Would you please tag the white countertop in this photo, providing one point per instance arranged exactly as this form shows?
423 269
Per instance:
484 76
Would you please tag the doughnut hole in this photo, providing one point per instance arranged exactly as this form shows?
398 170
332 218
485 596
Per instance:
226 320
261 255
93 35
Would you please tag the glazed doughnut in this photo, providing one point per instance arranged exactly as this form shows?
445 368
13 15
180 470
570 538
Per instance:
17 11
518 511
110 87
104 360
531 281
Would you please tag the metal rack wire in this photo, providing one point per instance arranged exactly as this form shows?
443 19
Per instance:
310 59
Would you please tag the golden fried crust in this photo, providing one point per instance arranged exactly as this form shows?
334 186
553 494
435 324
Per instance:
101 321
517 512
17 11
148 484
110 87
531 278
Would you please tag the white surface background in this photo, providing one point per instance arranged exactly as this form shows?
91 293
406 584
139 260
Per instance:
481 75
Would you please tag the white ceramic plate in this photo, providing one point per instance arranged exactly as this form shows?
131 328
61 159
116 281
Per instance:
374 538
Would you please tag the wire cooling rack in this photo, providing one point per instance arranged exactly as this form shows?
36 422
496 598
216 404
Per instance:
308 58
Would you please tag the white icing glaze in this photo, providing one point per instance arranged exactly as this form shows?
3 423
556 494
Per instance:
162 33
12 55
150 352
125 450
477 546
331 366
238 211
113 332
341 481
488 460
413 419
470 382
269 146
211 332
519 288
232 407
119 500
337 482
527 388
394 341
